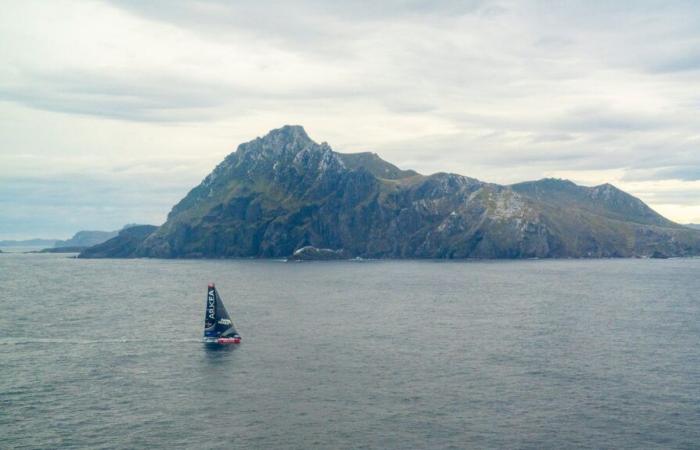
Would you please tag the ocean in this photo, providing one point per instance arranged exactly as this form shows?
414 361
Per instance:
350 355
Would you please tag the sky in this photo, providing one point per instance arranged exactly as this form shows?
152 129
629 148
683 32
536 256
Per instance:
111 111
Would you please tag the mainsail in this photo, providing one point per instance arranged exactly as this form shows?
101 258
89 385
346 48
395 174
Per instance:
217 322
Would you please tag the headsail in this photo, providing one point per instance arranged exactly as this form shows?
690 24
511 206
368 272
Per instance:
217 322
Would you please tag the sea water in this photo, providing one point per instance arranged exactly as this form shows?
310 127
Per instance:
358 354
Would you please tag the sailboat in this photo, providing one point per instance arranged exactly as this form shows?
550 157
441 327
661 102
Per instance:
218 326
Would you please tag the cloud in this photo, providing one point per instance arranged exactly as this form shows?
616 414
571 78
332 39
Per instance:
58 206
604 120
122 96
680 173
683 63
499 90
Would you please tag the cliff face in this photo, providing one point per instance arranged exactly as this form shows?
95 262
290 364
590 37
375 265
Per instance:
283 192
124 245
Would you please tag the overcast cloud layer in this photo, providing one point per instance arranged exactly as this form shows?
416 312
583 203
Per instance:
111 111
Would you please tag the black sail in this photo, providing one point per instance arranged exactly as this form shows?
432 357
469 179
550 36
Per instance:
217 321
224 324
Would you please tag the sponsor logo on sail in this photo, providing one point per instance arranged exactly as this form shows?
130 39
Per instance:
211 305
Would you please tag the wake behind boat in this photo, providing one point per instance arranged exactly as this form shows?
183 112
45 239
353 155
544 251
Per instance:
218 326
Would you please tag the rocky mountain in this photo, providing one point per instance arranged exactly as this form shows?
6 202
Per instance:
86 239
284 192
124 245
695 226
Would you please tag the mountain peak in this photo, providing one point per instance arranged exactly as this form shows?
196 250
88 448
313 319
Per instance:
290 132
552 182
606 187
374 165
608 190
288 136
285 141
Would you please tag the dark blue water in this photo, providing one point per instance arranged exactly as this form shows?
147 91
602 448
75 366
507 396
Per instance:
398 355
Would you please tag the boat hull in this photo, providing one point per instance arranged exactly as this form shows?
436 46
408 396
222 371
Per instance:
223 341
